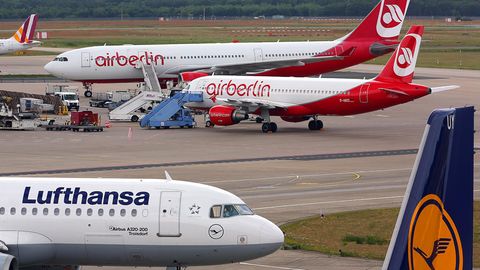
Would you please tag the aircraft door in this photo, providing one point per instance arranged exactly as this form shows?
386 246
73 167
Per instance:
85 59
258 54
364 93
169 216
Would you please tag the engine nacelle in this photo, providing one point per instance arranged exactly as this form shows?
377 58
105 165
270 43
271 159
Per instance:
295 119
226 115
8 262
190 76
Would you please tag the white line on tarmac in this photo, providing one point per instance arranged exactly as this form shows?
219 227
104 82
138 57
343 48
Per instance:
269 266
332 202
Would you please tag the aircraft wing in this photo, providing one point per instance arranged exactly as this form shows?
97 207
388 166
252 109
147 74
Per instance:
253 67
255 103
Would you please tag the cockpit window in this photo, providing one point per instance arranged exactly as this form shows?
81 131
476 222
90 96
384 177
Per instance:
61 59
229 211
243 209
216 211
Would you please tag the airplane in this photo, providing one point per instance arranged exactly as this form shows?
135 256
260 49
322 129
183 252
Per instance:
376 35
434 229
232 99
23 38
60 223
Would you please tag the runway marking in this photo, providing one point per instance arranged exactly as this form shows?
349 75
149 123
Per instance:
270 266
221 161
331 202
326 202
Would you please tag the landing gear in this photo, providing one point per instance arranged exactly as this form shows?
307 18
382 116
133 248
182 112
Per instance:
208 123
315 125
259 120
88 90
267 126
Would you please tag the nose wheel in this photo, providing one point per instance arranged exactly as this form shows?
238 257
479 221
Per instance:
269 127
315 125
88 90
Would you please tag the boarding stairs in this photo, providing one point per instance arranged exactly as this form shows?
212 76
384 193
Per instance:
134 109
171 112
150 76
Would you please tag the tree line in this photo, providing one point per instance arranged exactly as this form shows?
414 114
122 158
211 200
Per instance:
66 9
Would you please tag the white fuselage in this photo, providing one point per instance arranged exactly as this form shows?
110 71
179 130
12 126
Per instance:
10 45
117 63
282 91
127 223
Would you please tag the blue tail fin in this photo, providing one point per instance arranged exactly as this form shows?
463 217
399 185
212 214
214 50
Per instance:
434 229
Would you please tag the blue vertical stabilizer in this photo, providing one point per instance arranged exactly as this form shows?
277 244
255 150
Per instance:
434 229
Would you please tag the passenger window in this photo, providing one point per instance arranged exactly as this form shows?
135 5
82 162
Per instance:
112 212
79 212
216 211
100 212
134 212
123 212
45 211
24 211
13 211
229 211
56 211
67 212
89 212
2 211
34 211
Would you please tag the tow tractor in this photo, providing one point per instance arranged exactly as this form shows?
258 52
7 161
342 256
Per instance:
10 120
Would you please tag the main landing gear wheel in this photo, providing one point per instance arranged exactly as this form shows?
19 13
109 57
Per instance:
87 93
267 127
209 124
315 125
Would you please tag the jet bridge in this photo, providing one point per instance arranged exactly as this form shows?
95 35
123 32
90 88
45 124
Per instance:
171 112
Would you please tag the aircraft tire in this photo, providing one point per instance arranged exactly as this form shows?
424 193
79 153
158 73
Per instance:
265 127
87 93
273 127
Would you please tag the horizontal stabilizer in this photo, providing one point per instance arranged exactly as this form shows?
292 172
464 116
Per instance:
444 88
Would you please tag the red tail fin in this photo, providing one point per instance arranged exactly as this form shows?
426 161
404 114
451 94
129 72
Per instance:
401 66
383 22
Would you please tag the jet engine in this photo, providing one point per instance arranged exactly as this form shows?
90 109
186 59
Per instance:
226 115
295 119
8 262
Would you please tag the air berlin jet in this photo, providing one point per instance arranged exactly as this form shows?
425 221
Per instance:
23 38
230 99
376 35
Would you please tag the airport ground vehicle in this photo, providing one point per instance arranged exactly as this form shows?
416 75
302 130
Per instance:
10 120
69 99
86 121
376 35
231 99
110 100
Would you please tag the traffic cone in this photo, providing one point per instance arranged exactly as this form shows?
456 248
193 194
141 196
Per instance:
107 124
130 133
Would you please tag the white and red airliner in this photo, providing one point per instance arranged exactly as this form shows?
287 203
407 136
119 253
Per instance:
376 35
23 38
230 99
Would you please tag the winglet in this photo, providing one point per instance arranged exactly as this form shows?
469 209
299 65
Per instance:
167 176
435 224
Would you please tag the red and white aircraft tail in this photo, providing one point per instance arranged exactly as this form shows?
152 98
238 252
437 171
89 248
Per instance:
401 66
25 33
386 18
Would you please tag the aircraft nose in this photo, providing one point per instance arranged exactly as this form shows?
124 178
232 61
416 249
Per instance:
272 236
51 68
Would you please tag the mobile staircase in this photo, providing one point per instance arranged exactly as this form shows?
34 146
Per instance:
136 108
172 113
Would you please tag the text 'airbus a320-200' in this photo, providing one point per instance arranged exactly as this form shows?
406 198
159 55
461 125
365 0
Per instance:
49 223
376 35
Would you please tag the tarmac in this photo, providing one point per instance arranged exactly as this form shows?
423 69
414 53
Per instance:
356 162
